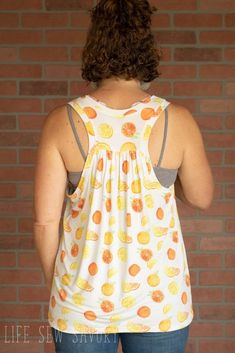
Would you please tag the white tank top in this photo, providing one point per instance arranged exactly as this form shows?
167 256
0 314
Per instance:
121 265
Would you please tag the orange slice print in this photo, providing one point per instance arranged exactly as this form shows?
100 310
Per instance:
157 296
90 112
134 327
83 284
144 311
89 315
128 287
128 129
134 270
107 306
147 113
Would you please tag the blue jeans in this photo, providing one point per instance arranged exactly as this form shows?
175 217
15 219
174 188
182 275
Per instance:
143 342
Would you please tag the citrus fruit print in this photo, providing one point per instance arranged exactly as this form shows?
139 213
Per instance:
121 265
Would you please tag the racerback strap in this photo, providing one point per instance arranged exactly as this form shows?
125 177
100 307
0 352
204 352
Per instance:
80 145
75 131
164 137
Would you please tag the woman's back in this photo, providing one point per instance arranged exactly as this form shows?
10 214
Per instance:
121 245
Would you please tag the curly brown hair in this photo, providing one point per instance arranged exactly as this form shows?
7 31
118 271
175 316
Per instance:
120 42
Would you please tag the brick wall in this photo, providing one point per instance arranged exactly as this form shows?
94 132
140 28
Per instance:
40 53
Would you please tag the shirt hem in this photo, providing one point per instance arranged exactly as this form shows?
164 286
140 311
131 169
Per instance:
123 329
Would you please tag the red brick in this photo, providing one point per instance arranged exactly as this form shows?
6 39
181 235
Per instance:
219 71
202 225
210 123
8 54
9 20
230 122
16 173
229 54
7 156
7 259
198 54
33 294
215 157
203 329
62 71
8 88
229 19
76 55
65 36
230 191
217 243
230 329
176 37
25 191
190 242
20 311
218 346
230 260
191 346
7 190
21 139
176 5
204 260
19 37
21 5
29 259
16 242
217 312
43 54
197 20
207 294
223 174
229 295
217 277
43 20
230 89
25 225
7 225
30 122
20 105
230 225
18 70
20 277
214 5
217 37
16 208
230 157
218 105
176 71
7 294
27 156
196 88
82 20
68 4
43 88
166 55
219 140
28 345
218 192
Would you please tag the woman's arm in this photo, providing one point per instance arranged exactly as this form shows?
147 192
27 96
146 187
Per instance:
49 190
194 184
180 194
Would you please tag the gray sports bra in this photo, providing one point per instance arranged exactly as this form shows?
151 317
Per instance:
166 176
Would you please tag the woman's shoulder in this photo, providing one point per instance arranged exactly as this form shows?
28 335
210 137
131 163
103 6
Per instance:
181 118
55 123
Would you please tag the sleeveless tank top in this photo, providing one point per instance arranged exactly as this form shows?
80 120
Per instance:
121 264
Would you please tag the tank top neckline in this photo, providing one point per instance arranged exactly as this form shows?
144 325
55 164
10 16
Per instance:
109 109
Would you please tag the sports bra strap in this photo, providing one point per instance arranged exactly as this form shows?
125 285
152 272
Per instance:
75 131
164 137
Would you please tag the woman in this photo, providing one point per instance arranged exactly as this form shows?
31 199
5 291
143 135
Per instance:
119 269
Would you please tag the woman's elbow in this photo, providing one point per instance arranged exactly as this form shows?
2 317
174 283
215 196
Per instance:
204 201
